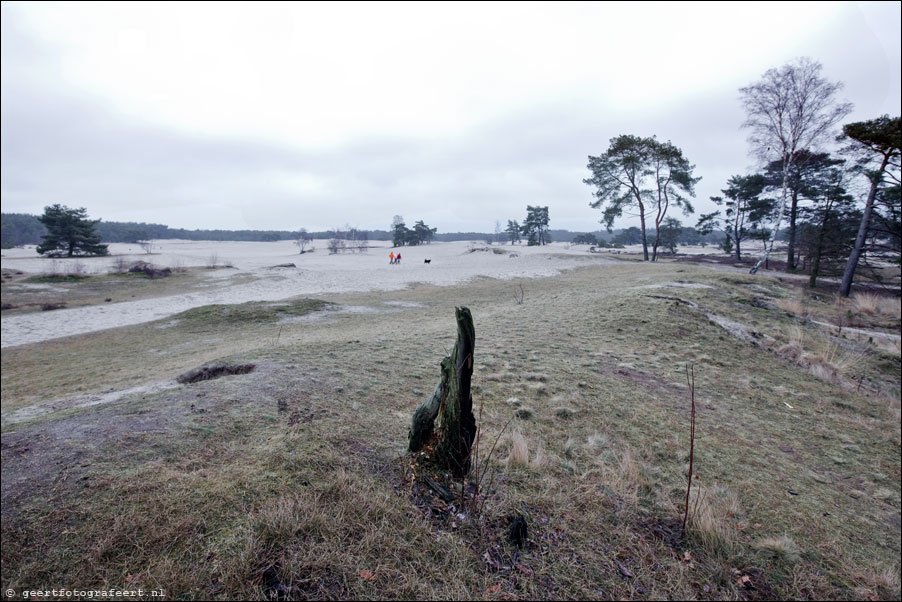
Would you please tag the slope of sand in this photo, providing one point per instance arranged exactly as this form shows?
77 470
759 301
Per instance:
257 280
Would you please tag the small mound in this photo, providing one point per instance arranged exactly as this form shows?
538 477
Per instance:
149 270
214 371
524 413
215 316
564 413
790 351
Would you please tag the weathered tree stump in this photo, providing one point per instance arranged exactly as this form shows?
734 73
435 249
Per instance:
452 401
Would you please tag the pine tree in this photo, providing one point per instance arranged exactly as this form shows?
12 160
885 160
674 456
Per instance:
878 142
69 232
744 211
621 177
513 230
535 227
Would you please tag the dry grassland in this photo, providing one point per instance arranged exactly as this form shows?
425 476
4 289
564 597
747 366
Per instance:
292 482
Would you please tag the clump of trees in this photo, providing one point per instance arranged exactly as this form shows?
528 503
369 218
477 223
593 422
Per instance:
18 229
744 212
668 234
513 231
821 212
585 239
69 233
402 235
348 239
790 112
645 178
535 226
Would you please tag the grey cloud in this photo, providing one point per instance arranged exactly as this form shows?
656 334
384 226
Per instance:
62 145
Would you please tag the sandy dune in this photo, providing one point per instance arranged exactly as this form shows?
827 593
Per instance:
253 277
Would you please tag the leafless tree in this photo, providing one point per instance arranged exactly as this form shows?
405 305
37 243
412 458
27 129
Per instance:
337 245
363 241
790 109
303 240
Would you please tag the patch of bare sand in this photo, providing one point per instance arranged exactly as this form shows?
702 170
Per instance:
315 274
83 401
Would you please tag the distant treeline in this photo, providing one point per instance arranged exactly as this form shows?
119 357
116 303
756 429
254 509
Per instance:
17 229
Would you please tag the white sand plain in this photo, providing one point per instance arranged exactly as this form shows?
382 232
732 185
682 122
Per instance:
252 277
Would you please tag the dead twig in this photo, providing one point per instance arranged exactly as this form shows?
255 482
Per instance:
486 465
475 452
519 298
690 380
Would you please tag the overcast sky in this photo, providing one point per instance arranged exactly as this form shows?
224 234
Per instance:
283 115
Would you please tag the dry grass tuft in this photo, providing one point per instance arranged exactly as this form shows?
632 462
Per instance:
279 519
871 304
519 452
538 458
834 359
822 356
821 370
781 548
570 447
712 511
629 467
866 303
792 306
885 580
791 351
892 307
598 441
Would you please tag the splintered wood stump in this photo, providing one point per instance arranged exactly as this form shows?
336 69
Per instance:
453 402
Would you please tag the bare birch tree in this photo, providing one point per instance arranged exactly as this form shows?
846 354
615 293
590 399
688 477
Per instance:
790 109
303 239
